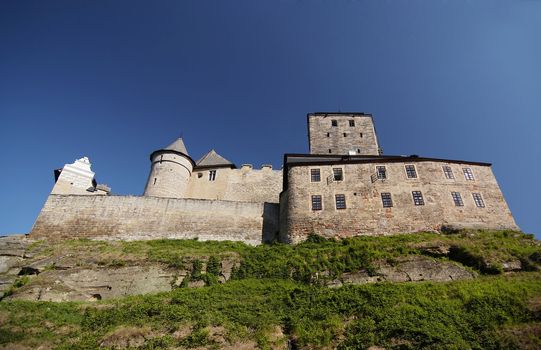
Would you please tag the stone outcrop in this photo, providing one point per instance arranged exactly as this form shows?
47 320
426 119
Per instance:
407 269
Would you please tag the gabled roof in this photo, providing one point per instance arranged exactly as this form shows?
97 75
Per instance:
178 146
213 159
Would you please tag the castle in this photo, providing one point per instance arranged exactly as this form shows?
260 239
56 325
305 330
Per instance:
344 187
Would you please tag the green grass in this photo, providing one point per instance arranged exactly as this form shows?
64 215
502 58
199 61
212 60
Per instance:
282 287
457 315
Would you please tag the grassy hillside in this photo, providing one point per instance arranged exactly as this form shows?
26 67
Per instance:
276 298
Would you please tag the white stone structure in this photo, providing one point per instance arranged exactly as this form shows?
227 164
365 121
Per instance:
77 178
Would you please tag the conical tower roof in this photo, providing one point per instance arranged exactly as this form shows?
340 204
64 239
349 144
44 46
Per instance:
213 159
178 146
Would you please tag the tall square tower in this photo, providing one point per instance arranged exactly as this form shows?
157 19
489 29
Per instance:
342 133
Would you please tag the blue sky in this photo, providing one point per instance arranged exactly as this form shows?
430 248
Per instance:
115 80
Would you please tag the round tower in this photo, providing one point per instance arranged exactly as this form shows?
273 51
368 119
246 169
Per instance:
170 171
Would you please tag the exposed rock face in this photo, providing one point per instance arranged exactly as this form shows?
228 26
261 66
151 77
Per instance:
12 253
409 269
97 284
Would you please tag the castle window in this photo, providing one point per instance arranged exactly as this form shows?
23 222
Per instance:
352 123
361 134
212 175
358 150
338 174
478 200
468 174
315 175
386 199
411 173
345 134
448 172
316 202
330 150
418 198
153 183
334 123
340 201
457 198
381 172
328 134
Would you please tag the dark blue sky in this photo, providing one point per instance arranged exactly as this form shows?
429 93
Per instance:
115 80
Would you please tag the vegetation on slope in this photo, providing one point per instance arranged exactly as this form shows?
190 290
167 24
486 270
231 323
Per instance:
318 259
457 315
273 300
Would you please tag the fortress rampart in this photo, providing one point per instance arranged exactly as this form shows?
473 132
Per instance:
345 187
136 218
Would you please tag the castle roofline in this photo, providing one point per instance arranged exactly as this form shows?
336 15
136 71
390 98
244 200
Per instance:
213 160
176 147
316 159
300 159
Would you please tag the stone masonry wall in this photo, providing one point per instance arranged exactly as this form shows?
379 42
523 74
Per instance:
365 214
342 138
134 218
245 185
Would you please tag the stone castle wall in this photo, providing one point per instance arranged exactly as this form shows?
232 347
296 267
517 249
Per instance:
134 218
365 214
342 138
244 185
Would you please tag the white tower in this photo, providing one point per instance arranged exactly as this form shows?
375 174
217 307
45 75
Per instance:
170 171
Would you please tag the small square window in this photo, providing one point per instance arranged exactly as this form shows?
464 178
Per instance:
381 172
315 175
212 175
448 172
334 122
352 123
478 200
316 202
468 174
340 201
418 198
338 174
411 173
457 198
386 199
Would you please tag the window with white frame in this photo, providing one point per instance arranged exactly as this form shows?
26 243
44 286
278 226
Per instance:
381 172
386 200
457 198
418 198
479 203
338 174
315 175
448 172
212 175
411 173
468 174
316 202
340 201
